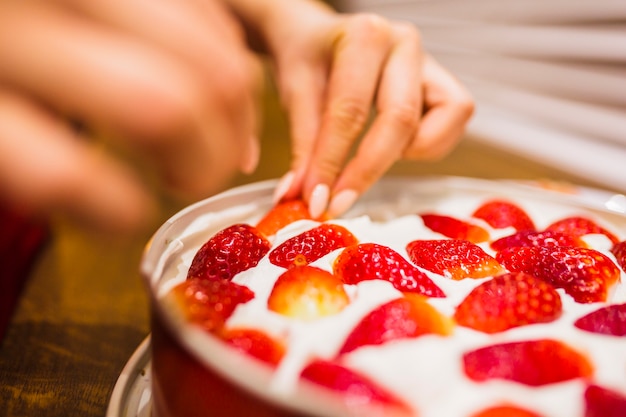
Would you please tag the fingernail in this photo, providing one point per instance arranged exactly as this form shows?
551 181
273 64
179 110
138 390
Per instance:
341 202
319 200
283 186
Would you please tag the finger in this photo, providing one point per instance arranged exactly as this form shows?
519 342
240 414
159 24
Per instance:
301 88
360 52
45 167
192 129
449 106
399 107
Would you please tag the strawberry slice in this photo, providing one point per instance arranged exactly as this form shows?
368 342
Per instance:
501 214
583 273
455 259
579 226
610 320
455 228
603 402
405 317
255 343
209 303
368 261
281 215
533 362
358 390
228 252
505 411
507 301
312 245
307 292
536 238
619 251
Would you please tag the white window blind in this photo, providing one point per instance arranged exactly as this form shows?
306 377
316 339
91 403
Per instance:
548 76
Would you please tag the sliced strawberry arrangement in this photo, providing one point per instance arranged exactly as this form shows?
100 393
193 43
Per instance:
405 317
208 303
536 238
228 252
281 215
307 292
534 363
455 259
501 214
609 320
619 251
255 343
579 226
455 228
367 261
506 411
357 390
312 245
583 273
507 301
603 402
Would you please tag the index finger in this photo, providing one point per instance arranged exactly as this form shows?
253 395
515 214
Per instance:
360 53
399 109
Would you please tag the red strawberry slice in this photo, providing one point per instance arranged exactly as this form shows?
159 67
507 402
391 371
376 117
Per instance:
255 343
506 411
455 228
603 402
536 238
228 252
281 215
369 261
358 390
534 362
312 245
501 214
583 273
579 226
209 303
455 259
507 301
307 292
619 251
610 320
401 318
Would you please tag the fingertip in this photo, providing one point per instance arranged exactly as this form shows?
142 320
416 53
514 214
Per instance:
318 200
283 186
342 202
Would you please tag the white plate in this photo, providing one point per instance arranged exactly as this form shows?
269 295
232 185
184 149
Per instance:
131 396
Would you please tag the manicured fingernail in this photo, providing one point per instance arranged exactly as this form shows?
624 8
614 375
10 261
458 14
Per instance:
251 159
283 186
319 200
341 202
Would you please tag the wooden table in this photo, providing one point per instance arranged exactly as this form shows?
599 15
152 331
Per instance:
83 311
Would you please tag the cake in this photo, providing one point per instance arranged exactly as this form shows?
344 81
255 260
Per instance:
467 305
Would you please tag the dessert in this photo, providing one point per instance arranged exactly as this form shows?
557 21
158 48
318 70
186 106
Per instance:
469 304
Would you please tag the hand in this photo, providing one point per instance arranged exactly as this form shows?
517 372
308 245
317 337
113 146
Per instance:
172 81
332 70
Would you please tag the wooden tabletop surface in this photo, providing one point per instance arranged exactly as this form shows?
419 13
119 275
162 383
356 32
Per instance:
83 310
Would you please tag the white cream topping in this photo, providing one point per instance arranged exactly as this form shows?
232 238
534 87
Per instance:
427 371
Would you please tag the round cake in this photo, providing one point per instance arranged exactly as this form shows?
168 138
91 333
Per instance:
432 298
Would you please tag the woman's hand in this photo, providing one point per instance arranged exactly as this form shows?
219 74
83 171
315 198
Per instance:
333 70
172 81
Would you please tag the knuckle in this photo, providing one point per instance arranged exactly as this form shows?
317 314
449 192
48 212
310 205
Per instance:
369 25
407 30
348 116
407 117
